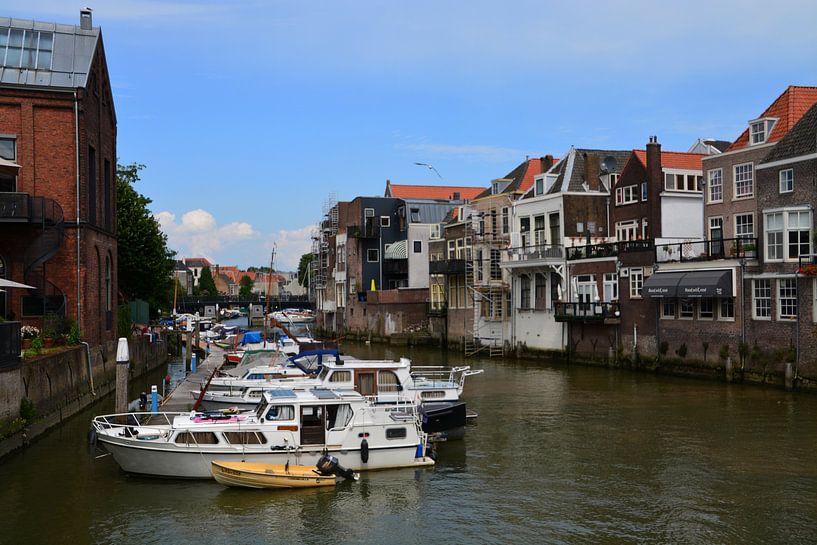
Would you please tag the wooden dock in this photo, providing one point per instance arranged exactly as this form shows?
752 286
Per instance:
180 399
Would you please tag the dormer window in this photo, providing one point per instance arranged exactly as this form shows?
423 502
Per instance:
498 186
544 183
759 130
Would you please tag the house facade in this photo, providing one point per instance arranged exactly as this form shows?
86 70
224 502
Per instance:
57 176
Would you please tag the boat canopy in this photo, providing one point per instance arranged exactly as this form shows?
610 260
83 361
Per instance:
311 361
252 337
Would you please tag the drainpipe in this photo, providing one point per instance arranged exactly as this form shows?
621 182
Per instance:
742 312
76 143
90 369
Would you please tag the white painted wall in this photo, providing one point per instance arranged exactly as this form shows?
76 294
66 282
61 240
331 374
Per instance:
418 262
681 216
538 329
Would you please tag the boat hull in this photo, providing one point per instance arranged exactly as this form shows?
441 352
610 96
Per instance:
167 460
444 420
253 475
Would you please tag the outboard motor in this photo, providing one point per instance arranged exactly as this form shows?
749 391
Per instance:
329 465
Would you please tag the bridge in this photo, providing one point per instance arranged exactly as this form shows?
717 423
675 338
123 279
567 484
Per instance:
192 305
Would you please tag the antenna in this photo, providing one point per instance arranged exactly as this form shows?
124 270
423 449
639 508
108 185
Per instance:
609 164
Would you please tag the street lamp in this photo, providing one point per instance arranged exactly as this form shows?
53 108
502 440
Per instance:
430 167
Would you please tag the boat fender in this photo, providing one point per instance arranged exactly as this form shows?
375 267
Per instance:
92 437
364 451
431 452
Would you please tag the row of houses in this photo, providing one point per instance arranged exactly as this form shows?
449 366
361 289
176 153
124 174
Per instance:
704 253
227 279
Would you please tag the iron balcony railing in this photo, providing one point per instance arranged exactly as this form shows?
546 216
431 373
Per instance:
608 249
395 266
608 312
540 251
707 250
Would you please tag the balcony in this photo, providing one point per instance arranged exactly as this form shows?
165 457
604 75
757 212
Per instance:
542 254
395 266
369 229
706 250
447 266
807 265
606 313
608 249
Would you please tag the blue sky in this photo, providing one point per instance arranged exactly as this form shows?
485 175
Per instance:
248 114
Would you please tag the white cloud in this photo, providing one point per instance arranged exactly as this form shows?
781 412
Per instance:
198 234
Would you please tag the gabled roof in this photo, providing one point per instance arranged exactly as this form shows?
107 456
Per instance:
431 192
521 177
571 173
787 109
62 59
801 139
674 159
197 262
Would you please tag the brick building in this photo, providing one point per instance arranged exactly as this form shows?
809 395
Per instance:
57 185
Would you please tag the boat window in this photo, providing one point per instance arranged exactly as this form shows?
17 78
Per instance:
395 433
432 394
281 412
341 376
255 394
196 438
387 381
338 416
245 438
323 373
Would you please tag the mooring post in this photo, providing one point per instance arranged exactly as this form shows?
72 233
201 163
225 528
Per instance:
122 369
193 364
154 399
188 341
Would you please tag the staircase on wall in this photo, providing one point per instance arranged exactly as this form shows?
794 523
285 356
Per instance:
48 215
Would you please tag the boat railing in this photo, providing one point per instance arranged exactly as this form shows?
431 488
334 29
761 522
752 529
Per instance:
129 420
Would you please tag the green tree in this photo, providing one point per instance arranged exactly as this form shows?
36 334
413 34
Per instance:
207 286
245 290
303 268
145 263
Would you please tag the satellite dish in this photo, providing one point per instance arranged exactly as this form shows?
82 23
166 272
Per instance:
609 164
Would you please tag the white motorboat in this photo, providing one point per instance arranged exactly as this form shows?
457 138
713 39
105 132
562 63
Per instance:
288 426
294 316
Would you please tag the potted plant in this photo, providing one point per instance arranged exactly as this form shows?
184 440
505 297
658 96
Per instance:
808 270
29 332
749 250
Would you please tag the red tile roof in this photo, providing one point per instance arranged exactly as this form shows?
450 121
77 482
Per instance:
444 192
674 159
788 109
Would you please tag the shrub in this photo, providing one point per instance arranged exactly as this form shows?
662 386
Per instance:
123 322
37 345
74 336
28 411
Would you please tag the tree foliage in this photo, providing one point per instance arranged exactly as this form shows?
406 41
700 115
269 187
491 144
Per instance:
245 287
207 286
303 268
145 263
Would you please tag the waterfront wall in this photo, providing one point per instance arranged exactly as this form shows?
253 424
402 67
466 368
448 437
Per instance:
58 385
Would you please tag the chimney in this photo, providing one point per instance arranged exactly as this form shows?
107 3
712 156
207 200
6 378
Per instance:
85 19
655 185
546 162
592 171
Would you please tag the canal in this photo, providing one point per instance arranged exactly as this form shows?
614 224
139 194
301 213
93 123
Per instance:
558 455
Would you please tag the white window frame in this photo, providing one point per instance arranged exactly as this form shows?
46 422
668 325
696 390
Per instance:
626 195
757 132
786 284
610 286
684 314
715 185
636 282
626 230
711 310
745 235
643 191
376 255
749 181
506 220
385 221
786 176
767 289
414 244
679 180
667 304
368 212
784 234
720 303
539 188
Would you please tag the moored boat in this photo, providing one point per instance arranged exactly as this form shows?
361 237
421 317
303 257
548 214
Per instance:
257 475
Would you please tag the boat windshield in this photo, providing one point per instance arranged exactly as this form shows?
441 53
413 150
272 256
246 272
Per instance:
259 410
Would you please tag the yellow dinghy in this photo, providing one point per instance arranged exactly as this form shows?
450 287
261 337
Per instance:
258 475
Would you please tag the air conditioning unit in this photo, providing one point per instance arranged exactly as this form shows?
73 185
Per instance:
624 273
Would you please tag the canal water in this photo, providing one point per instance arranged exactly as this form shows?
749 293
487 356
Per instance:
558 455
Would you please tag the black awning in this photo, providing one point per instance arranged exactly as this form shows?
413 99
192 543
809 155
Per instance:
706 284
662 284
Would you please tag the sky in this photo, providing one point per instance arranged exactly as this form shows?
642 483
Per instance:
251 115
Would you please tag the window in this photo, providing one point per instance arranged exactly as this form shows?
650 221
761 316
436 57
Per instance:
787 299
744 226
687 310
540 187
644 230
676 181
505 221
91 185
610 287
762 299
341 376
437 291
793 227
452 249
460 248
786 180
372 255
26 48
418 246
759 130
668 309
626 230
727 309
716 185
524 291
245 438
107 194
368 212
539 231
281 412
8 150
395 433
706 309
540 291
744 181
196 438
636 282
415 215
385 221
643 191
496 272
387 381
627 195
